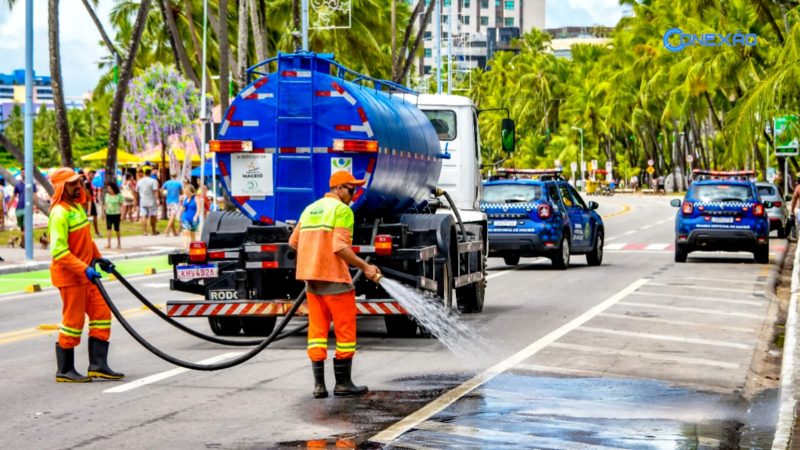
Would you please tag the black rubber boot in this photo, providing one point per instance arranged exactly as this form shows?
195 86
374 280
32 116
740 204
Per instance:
319 379
98 361
65 358
344 385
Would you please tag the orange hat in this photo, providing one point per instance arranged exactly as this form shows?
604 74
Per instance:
59 178
342 177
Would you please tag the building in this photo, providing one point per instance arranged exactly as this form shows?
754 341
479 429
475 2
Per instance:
12 93
480 27
564 38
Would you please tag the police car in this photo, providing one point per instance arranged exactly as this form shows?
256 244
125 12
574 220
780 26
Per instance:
537 213
722 212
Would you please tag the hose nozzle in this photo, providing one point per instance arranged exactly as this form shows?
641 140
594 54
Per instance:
378 279
438 192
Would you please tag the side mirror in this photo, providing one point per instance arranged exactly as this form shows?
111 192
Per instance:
508 135
676 202
593 205
768 204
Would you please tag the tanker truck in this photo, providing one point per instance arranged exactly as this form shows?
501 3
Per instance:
417 217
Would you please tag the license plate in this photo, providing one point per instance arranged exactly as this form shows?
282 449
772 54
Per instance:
722 219
505 223
193 272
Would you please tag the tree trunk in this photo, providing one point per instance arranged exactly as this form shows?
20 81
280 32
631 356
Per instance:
394 37
122 90
400 59
712 111
771 19
19 156
259 35
297 21
224 55
177 41
241 45
420 34
170 37
62 123
99 25
198 48
164 172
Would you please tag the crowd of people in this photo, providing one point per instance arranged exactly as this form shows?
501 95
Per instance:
139 198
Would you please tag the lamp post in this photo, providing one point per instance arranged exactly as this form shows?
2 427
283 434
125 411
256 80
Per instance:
28 132
583 181
203 113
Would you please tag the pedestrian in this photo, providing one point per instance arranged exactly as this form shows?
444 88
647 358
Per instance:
112 204
793 209
322 238
128 198
147 195
2 205
189 215
172 192
660 186
19 209
73 250
92 204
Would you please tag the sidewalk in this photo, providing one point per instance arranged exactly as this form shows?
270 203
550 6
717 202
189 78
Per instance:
132 247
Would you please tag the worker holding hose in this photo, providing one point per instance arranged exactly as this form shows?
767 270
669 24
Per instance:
71 272
323 239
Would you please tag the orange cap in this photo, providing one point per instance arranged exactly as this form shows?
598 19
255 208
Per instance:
342 177
64 175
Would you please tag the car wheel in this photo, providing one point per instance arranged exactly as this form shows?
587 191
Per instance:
762 254
681 253
561 255
511 260
595 257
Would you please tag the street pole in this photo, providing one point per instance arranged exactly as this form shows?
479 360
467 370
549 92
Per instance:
583 179
28 131
203 111
304 16
450 21
438 22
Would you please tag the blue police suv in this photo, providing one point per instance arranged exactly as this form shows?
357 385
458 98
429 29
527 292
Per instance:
537 213
722 212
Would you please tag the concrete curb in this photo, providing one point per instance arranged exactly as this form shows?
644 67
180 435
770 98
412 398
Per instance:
42 265
789 374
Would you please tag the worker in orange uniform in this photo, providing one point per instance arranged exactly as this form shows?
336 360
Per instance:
323 238
73 251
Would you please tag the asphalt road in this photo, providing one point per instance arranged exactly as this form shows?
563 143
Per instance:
639 352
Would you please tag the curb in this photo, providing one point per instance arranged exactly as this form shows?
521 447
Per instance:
787 397
42 265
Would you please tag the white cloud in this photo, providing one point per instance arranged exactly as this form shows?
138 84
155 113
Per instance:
80 42
565 13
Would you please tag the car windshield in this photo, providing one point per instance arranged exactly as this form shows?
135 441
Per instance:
767 191
511 193
721 193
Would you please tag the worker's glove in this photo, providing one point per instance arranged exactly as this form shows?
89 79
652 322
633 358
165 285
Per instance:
92 274
106 265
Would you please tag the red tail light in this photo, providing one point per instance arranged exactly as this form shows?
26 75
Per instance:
230 146
197 252
687 208
383 245
544 211
354 145
758 210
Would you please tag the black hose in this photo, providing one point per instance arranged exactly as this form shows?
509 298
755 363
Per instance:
458 215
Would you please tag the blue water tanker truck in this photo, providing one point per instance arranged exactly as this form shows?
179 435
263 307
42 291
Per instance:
302 117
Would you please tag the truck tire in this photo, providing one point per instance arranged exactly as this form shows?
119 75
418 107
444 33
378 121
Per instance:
511 260
560 256
470 297
595 257
225 326
400 326
258 326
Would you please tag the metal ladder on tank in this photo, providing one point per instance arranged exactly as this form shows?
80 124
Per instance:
288 195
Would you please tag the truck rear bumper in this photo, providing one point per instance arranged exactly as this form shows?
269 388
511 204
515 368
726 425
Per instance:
261 308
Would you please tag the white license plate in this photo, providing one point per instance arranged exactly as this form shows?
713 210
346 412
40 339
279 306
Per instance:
722 219
192 272
505 223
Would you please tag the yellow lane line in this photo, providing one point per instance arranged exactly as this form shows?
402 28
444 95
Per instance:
48 329
625 210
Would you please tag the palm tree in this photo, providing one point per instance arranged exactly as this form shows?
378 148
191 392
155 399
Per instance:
62 124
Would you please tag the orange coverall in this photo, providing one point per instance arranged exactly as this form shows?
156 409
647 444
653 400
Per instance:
72 250
326 227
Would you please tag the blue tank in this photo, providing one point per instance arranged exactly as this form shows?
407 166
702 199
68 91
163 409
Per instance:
288 130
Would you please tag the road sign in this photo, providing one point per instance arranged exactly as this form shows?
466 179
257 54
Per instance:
573 166
609 166
650 162
689 158
650 170
583 166
786 131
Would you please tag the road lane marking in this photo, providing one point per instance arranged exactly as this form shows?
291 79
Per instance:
703 299
706 288
697 310
614 246
657 247
664 337
522 266
49 290
646 227
168 374
716 280
677 322
628 233
396 430
625 210
646 355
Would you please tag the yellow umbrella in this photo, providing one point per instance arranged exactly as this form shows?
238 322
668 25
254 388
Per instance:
155 156
123 157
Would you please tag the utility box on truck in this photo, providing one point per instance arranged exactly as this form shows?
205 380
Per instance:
278 144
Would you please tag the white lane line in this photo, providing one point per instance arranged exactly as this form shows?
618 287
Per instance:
703 299
677 322
394 431
487 434
156 285
646 227
706 288
168 374
715 280
640 252
614 246
657 247
507 271
694 310
664 337
628 233
646 355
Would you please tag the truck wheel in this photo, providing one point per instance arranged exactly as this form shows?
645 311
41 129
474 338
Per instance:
681 253
470 297
400 326
762 254
445 288
511 260
595 257
225 326
561 255
258 326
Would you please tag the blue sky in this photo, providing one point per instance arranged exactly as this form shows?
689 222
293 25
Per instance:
81 48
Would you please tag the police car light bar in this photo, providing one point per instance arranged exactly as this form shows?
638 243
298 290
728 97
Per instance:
504 171
724 173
